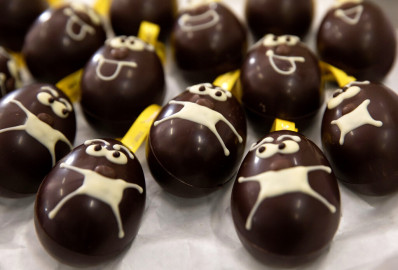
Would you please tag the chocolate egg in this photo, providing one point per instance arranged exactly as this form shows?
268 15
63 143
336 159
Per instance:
276 83
197 141
208 40
358 38
9 74
119 82
359 136
293 17
62 40
285 201
16 16
126 16
37 128
89 207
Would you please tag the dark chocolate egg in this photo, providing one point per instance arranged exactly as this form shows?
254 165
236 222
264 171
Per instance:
359 136
126 15
89 207
37 128
358 38
279 17
281 78
285 201
62 40
208 40
10 78
119 82
197 141
16 16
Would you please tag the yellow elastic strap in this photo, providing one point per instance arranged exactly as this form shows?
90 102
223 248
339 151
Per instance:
331 73
19 60
102 6
137 133
230 81
54 3
149 32
280 124
70 85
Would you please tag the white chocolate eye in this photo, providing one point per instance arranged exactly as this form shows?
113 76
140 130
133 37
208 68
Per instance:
208 89
271 40
60 106
129 42
267 150
114 156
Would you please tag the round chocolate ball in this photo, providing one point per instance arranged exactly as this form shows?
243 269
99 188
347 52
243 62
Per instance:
285 201
10 78
358 38
281 78
359 137
197 141
16 16
89 207
37 128
279 17
126 15
62 40
208 40
121 79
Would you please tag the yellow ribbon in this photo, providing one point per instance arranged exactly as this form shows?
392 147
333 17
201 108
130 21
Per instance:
70 85
331 73
102 6
280 124
230 81
149 32
137 133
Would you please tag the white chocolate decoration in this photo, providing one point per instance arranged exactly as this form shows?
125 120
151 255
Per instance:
290 59
129 42
13 69
266 148
94 16
84 28
39 130
350 16
357 118
290 180
115 155
201 115
119 66
342 2
60 106
192 23
115 146
107 190
208 89
193 4
271 40
351 91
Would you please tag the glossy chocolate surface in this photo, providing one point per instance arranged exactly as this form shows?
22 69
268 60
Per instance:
119 82
359 136
279 17
16 16
9 74
197 141
62 40
89 207
208 40
280 78
126 15
358 38
285 201
37 128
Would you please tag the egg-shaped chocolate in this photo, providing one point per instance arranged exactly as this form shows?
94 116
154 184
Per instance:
126 15
37 128
281 78
293 17
89 207
207 40
196 143
285 201
10 78
357 37
16 16
359 136
121 79
62 40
